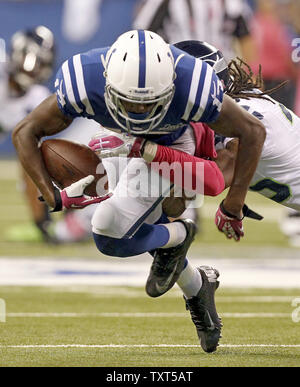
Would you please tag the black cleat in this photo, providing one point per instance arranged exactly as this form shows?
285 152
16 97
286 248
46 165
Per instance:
203 310
168 263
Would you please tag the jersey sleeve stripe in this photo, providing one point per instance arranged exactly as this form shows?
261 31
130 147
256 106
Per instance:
69 87
75 86
81 85
193 89
205 94
199 92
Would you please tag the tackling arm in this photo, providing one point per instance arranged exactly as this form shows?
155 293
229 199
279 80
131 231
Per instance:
106 144
234 121
45 120
213 180
226 160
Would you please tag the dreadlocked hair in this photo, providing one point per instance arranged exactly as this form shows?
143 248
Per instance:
243 82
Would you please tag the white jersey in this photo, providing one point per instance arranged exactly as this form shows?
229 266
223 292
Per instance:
278 173
14 109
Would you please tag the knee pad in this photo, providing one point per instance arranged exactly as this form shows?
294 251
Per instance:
104 219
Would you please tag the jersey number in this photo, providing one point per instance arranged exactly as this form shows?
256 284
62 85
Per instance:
282 191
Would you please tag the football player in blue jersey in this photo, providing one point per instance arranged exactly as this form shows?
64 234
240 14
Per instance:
149 89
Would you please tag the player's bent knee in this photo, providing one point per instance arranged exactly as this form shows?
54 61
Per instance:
111 246
105 221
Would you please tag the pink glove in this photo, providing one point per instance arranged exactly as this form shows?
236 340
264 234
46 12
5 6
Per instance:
73 197
110 144
231 226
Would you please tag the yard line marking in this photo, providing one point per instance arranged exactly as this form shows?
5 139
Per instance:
255 299
142 315
74 315
46 346
260 345
174 293
255 315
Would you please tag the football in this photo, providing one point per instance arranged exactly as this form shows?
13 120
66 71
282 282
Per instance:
67 162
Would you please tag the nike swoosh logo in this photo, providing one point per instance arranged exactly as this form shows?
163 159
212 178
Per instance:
212 325
162 289
84 202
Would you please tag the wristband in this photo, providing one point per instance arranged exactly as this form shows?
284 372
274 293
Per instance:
58 201
148 151
247 212
228 213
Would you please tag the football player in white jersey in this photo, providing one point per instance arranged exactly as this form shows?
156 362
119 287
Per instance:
277 173
151 90
29 64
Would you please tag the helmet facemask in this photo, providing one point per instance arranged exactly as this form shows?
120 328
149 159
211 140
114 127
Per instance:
136 122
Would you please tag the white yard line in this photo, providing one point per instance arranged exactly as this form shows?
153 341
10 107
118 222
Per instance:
256 299
141 315
130 292
96 346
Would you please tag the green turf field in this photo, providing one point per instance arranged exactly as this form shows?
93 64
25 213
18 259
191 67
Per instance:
123 327
111 326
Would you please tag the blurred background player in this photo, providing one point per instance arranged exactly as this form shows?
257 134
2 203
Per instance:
30 63
272 35
222 23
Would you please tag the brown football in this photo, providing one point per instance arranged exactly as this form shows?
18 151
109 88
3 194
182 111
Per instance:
67 162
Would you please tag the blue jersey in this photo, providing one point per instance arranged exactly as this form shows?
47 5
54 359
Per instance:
80 86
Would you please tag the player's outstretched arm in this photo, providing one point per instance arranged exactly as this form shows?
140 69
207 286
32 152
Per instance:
45 120
234 121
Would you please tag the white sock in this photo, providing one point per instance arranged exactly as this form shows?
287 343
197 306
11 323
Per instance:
177 233
190 281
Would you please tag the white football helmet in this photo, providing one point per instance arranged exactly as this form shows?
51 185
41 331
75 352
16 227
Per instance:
139 69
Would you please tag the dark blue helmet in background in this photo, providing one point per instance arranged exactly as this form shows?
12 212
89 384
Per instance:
32 56
209 54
